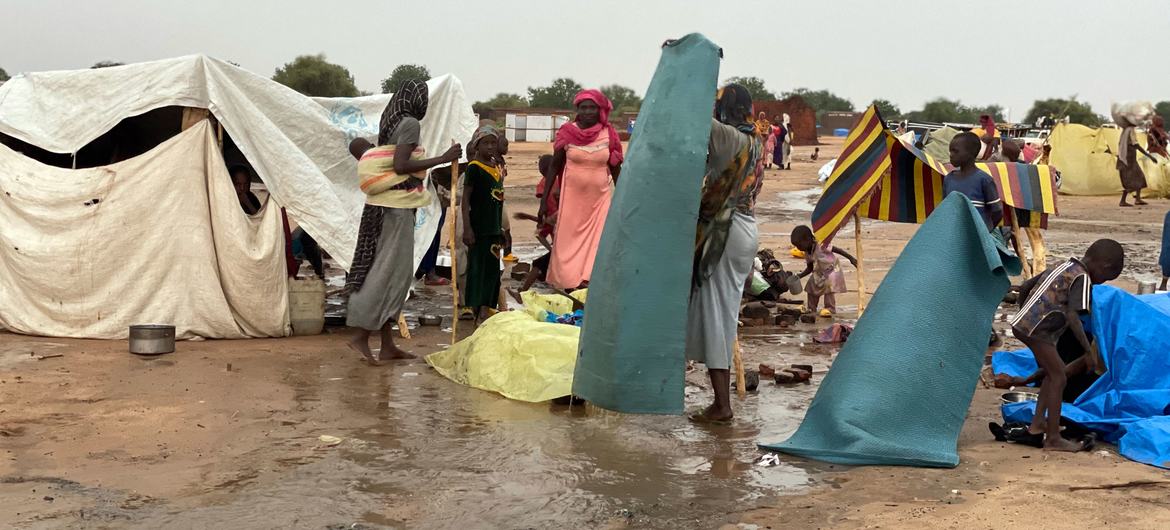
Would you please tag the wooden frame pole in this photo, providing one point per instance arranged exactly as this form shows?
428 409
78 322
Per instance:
740 377
452 218
860 264
1024 265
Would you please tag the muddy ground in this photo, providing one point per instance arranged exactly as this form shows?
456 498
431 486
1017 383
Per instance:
228 434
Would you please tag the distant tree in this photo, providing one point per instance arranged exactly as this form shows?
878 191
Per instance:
624 98
106 64
995 111
558 95
3 75
756 86
888 109
1057 108
821 100
1162 108
402 74
502 100
942 110
312 75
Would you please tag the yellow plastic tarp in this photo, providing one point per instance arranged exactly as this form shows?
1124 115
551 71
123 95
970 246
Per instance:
1087 161
516 353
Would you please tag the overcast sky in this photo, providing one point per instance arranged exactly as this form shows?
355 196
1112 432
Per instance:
1009 53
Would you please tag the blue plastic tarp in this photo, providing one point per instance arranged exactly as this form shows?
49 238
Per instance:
633 340
899 391
1129 404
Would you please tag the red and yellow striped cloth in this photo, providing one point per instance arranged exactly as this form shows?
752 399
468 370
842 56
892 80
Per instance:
891 180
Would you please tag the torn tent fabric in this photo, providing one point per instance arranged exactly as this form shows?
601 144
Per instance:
899 391
634 336
156 239
1129 405
299 146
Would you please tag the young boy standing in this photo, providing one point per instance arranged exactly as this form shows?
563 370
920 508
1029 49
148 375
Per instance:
1055 303
971 181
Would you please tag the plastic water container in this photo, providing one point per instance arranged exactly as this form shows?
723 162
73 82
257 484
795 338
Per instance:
841 132
306 306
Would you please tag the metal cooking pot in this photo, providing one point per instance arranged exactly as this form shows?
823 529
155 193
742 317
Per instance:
152 339
1018 397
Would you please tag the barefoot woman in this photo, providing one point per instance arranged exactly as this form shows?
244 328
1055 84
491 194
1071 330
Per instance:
726 244
391 177
587 158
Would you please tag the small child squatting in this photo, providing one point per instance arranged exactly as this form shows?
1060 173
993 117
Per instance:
1055 302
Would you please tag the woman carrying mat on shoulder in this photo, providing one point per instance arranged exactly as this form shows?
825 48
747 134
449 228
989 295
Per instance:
726 244
587 159
391 176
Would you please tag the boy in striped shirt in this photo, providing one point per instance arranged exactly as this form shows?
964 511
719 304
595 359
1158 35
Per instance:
1054 302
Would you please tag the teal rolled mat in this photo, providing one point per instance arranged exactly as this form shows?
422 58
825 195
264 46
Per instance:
631 354
899 391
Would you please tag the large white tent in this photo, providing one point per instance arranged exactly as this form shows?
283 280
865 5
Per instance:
69 236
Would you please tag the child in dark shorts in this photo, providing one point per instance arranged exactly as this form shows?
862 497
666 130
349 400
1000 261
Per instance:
544 227
1054 302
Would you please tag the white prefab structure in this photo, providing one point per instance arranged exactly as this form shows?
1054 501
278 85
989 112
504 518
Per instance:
532 127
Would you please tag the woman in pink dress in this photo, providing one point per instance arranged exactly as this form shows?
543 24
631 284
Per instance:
587 158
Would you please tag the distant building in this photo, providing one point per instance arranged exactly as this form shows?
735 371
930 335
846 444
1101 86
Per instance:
836 119
803 118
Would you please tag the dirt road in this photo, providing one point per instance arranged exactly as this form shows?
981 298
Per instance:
296 433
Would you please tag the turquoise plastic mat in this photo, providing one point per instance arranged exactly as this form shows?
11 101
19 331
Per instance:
899 391
633 339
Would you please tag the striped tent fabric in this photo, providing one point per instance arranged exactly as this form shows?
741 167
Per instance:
912 188
865 158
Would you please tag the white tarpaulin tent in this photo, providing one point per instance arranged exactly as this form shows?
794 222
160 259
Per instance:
298 147
159 238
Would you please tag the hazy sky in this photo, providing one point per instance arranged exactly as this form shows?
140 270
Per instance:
1009 53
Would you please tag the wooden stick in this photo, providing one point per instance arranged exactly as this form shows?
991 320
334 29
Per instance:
860 264
452 217
403 329
740 379
1132 484
1024 265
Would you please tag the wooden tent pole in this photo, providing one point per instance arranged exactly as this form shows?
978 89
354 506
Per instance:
452 218
740 377
860 264
403 329
1024 265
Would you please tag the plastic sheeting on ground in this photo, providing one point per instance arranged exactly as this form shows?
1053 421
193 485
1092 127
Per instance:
298 147
1130 404
156 239
899 391
516 353
634 337
1087 160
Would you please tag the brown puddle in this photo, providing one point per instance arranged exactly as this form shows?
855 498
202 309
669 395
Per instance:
443 455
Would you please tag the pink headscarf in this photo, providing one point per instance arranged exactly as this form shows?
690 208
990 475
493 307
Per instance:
571 134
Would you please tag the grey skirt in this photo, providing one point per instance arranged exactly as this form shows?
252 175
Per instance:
713 314
382 295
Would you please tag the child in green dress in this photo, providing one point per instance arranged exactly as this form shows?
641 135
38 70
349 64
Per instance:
483 232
